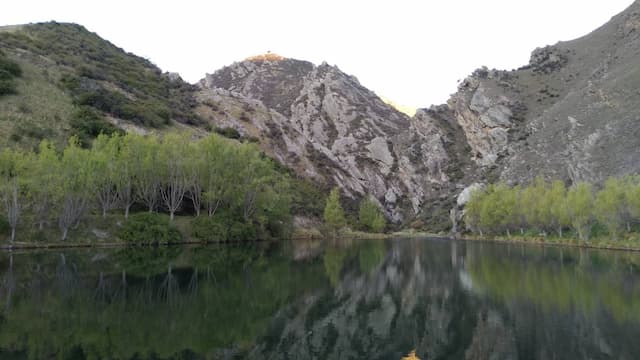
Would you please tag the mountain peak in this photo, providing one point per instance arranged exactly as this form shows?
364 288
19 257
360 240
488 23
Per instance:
268 56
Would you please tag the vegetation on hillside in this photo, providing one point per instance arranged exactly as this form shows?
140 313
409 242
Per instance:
102 76
170 174
545 208
9 70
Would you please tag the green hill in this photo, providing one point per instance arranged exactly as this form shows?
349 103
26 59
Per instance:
60 79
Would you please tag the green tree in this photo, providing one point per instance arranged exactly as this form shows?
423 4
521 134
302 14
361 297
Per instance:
106 171
370 216
536 206
632 196
146 169
174 171
11 174
43 181
558 206
473 211
76 186
579 207
610 206
333 213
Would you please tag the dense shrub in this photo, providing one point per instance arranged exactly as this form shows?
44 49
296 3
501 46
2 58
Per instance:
207 228
87 123
149 228
8 71
222 227
228 132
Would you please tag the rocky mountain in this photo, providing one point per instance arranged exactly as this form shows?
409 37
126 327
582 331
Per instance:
324 124
571 114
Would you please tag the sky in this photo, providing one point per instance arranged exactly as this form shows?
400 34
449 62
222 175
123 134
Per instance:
412 52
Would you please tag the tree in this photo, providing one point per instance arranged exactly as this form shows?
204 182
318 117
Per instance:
370 216
333 212
535 205
558 203
174 172
215 175
42 181
632 196
579 207
126 165
146 169
473 210
11 172
106 171
76 185
610 206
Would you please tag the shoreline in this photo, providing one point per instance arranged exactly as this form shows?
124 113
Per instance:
542 242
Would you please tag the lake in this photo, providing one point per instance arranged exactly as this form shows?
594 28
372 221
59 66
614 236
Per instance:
321 300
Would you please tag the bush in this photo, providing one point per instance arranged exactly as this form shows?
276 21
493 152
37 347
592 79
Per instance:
207 228
228 132
149 228
5 228
88 123
241 231
222 227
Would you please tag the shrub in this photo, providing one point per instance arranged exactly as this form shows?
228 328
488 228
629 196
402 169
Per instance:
88 123
207 228
149 228
5 228
228 132
222 227
241 231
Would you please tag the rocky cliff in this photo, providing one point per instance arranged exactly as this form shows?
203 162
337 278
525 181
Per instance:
571 113
324 124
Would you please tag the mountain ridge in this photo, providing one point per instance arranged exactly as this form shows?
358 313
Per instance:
570 114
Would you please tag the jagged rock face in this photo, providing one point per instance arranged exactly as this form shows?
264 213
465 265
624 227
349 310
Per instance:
324 124
570 114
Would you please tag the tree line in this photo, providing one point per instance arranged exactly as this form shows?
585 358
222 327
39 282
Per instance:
370 217
548 207
121 172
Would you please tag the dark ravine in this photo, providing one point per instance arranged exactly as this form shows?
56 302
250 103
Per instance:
572 114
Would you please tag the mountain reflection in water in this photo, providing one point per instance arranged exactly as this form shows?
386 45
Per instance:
321 300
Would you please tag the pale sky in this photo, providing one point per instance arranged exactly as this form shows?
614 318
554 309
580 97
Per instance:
412 52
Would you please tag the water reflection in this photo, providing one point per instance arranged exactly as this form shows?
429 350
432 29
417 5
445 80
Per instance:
424 299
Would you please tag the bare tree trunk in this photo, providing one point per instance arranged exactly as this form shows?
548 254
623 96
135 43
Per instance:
13 209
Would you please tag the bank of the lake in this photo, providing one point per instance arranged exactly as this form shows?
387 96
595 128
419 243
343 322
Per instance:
629 243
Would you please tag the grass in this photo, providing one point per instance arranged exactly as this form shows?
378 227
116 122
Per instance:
64 65
39 110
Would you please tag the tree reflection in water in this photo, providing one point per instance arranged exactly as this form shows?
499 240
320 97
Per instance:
357 299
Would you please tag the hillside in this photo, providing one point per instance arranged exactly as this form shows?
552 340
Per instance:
570 114
74 82
326 126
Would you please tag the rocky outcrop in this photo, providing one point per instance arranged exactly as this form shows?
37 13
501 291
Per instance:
570 114
324 124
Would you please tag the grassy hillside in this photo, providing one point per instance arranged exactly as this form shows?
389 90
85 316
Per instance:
71 81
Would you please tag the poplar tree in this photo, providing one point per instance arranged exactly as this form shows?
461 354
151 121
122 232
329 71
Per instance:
76 185
579 206
558 203
174 171
333 212
370 216
610 206
11 172
43 182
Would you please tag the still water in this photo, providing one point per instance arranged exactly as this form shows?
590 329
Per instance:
321 300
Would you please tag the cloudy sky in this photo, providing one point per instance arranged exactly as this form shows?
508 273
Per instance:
412 52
